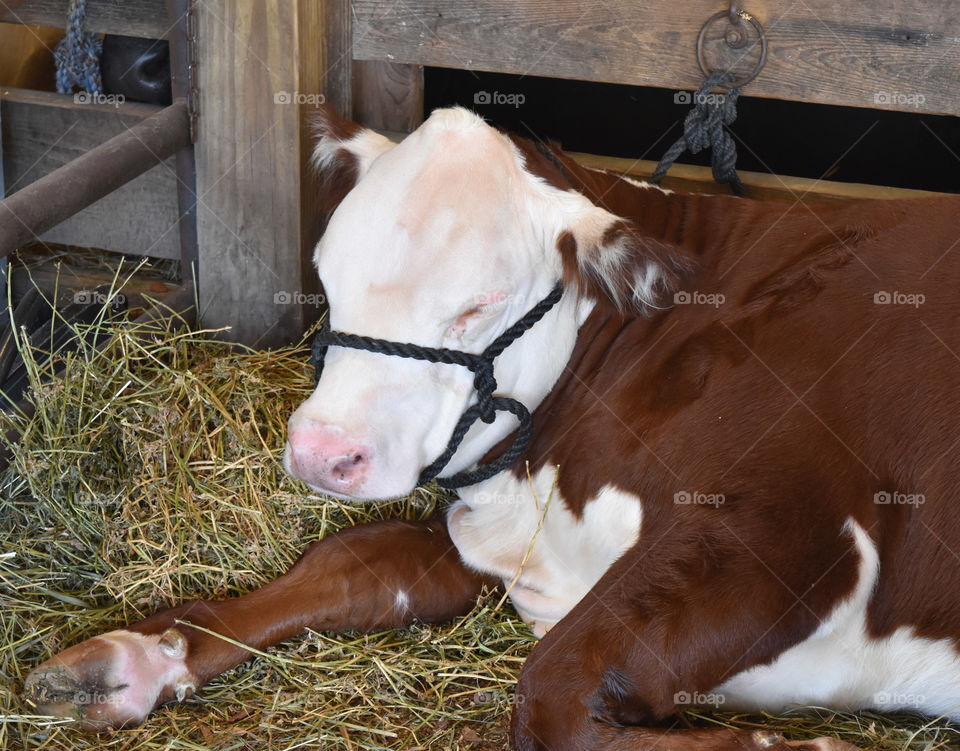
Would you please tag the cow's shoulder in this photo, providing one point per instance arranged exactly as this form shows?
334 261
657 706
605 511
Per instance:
548 554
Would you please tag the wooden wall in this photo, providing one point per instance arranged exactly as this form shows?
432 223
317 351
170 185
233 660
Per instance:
889 54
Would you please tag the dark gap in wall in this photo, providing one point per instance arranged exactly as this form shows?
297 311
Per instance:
846 144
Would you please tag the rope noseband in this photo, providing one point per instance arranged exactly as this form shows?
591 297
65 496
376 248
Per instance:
484 383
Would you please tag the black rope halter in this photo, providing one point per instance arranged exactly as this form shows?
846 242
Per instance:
484 383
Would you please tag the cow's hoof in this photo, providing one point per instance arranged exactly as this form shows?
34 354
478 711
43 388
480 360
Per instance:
113 680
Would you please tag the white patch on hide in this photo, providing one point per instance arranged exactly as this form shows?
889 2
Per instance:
495 523
840 667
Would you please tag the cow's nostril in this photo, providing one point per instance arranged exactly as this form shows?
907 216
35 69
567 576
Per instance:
349 467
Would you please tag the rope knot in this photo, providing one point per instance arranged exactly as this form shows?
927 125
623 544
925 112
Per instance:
78 54
703 128
485 384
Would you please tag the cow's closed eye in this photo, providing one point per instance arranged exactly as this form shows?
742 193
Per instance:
483 307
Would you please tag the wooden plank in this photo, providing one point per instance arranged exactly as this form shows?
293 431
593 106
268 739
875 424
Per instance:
43 131
387 96
688 178
888 54
135 18
66 283
335 54
260 78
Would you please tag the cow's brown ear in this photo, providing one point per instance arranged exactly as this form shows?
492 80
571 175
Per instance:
608 256
343 153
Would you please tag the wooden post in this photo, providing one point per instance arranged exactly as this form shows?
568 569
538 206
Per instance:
264 65
387 96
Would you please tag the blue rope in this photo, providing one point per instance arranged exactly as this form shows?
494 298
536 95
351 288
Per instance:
703 128
78 54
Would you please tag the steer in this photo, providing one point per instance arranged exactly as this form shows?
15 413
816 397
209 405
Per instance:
742 476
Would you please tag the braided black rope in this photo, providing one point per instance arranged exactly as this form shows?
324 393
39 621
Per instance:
703 128
484 383
484 471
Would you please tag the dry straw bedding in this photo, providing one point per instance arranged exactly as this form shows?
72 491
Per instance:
151 474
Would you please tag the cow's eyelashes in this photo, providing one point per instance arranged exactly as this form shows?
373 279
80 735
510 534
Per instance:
483 309
477 312
490 303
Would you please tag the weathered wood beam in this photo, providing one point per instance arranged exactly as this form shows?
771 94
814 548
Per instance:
135 18
888 54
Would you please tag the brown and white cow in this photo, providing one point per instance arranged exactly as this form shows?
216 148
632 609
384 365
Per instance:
743 473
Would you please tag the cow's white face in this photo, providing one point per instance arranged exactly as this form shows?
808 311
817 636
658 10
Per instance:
444 241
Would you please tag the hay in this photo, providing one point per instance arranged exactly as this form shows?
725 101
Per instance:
151 474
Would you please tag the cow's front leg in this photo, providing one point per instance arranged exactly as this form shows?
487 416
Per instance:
369 577
673 620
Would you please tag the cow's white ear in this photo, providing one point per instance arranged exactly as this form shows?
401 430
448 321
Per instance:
343 153
339 138
604 254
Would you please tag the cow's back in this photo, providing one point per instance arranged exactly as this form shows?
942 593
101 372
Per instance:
809 389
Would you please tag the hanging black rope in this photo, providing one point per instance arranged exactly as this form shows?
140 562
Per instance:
484 383
704 128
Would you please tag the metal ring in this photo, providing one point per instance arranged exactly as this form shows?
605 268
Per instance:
744 16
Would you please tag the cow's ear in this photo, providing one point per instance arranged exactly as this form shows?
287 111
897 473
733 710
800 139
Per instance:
606 255
343 153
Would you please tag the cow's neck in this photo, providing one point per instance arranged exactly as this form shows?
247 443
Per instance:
694 227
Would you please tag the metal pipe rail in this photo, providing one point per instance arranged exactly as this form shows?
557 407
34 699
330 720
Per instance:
44 203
